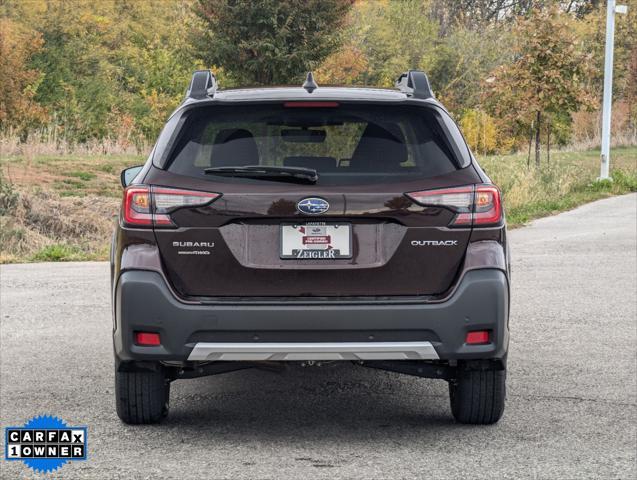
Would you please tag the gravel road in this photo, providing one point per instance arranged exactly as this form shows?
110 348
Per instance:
571 410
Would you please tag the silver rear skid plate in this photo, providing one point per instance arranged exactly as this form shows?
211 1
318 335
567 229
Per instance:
313 351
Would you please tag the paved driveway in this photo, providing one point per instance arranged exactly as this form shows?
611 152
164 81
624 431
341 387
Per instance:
572 386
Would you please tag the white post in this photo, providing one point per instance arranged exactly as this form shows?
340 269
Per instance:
608 85
608 89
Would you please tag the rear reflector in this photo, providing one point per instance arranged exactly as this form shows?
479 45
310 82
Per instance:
147 339
310 104
478 205
145 207
478 337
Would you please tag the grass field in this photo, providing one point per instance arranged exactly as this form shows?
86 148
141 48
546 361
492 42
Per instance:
568 180
55 208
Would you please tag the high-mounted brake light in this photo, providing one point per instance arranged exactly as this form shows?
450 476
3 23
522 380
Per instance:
478 205
145 207
310 104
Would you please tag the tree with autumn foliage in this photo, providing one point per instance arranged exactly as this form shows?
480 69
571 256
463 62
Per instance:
115 69
95 67
547 78
19 82
270 41
343 67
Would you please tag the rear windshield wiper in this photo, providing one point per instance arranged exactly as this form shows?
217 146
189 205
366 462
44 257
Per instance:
279 174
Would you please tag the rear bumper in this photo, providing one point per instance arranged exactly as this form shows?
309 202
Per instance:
391 331
290 351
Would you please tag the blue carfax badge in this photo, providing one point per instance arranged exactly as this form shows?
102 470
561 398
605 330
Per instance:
45 443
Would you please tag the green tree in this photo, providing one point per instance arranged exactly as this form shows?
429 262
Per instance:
343 67
547 79
109 64
269 41
461 60
392 37
19 83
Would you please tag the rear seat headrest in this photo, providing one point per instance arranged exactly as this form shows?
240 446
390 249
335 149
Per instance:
321 164
234 147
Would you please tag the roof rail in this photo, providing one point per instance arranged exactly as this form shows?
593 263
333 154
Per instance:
202 85
415 83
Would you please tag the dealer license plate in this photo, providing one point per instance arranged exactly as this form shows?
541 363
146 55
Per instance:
316 241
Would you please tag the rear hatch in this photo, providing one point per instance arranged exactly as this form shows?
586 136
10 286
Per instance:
279 232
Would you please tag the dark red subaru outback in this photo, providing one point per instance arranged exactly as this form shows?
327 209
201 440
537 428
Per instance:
310 224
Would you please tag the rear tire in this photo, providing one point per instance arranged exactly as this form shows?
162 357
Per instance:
477 396
142 397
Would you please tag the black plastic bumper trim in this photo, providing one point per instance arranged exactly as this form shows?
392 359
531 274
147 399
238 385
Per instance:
143 302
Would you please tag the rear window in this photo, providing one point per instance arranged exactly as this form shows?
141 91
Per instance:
345 144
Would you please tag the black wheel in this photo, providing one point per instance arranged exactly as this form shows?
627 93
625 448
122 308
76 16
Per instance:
477 396
142 396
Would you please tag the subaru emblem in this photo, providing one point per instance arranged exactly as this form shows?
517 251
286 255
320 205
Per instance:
313 206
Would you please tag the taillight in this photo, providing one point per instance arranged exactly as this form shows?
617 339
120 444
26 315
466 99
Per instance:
145 207
488 206
478 206
137 206
166 200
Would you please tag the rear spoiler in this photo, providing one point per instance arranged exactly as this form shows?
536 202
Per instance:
415 83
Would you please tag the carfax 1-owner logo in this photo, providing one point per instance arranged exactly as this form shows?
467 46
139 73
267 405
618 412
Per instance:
45 443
